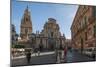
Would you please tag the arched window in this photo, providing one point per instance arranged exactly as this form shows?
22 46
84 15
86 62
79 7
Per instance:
94 11
94 30
26 19
85 35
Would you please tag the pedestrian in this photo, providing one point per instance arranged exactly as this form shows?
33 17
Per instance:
65 52
56 54
58 57
62 55
28 56
38 52
35 51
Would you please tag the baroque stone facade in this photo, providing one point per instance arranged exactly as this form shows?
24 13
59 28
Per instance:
49 38
83 29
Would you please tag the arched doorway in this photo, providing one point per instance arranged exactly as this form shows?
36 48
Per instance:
51 43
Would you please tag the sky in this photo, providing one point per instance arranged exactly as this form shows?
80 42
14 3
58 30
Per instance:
40 12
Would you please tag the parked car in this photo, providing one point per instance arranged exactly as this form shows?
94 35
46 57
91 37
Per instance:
91 52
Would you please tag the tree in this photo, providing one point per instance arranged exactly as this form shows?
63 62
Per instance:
18 46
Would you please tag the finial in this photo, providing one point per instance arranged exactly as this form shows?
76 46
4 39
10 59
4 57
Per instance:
27 6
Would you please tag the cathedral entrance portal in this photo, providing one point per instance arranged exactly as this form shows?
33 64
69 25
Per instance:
51 44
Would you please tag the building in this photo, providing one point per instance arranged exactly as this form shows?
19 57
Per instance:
49 38
26 25
83 29
14 35
68 43
14 39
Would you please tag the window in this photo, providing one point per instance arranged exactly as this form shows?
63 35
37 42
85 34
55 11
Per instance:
94 31
85 21
94 11
89 30
26 19
81 24
13 30
85 35
84 7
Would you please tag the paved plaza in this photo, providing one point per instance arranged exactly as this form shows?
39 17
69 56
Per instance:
50 58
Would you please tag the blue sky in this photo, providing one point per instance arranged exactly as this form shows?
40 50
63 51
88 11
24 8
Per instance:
40 12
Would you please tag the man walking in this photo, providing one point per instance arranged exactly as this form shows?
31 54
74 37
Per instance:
28 56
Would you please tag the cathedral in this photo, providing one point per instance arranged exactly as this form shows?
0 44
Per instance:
26 25
49 38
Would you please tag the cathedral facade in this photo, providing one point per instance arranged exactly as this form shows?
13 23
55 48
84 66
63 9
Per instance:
49 38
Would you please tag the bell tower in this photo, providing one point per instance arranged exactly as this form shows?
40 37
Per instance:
26 25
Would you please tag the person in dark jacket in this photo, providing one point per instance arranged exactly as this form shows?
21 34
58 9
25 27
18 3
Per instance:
28 56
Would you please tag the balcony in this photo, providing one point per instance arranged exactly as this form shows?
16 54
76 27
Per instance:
92 19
